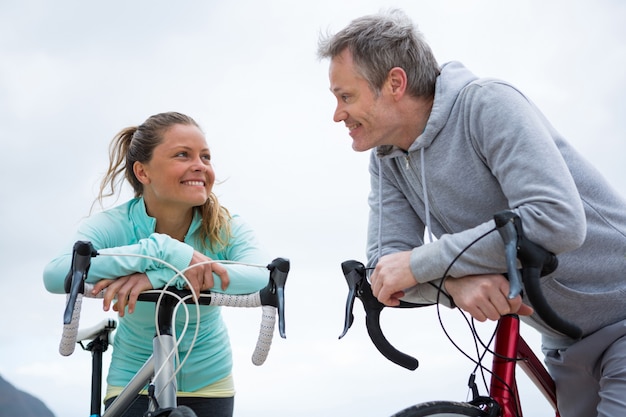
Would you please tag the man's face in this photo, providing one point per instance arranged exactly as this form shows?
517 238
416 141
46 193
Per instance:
365 114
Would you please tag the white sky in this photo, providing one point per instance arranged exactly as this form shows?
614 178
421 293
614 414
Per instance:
73 73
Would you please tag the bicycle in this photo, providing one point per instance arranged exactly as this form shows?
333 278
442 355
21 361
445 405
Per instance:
510 349
159 371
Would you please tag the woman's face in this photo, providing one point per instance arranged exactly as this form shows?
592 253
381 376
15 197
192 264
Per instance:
180 172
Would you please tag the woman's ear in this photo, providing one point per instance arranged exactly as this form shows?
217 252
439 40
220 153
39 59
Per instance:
139 170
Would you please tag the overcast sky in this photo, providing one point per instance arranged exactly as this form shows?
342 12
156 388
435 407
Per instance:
73 73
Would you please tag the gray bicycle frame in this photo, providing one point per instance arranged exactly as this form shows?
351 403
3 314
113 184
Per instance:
164 384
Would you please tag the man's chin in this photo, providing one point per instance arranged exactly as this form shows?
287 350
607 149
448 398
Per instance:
360 147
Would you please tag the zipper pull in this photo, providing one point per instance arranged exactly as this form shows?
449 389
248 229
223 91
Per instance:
407 166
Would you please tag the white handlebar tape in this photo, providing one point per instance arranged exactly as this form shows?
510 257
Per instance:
264 342
268 320
243 300
68 338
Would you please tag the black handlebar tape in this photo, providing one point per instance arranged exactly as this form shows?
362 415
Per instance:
373 308
530 256
354 272
372 322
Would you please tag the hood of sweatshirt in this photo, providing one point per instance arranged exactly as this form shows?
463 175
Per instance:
453 78
451 81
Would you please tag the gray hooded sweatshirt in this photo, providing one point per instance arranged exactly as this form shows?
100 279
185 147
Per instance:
487 148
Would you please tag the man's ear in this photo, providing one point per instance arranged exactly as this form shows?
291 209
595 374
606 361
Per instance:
397 80
139 170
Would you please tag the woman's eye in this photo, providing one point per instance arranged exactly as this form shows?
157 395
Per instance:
181 153
207 157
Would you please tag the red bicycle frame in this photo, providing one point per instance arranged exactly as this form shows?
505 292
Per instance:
511 350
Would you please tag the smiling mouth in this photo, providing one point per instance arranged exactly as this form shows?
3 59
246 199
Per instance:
353 126
194 183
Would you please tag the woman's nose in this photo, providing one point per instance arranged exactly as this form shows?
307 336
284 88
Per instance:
199 164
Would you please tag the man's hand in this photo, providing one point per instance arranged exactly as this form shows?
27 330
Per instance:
391 277
485 297
201 276
126 289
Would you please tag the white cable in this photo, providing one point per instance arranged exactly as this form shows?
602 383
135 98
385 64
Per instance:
268 320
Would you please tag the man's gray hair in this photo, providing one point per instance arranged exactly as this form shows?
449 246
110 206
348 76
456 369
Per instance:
380 42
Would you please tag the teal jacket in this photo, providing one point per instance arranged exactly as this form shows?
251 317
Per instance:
127 229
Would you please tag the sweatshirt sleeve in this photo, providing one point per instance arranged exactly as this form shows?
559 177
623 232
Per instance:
120 253
519 147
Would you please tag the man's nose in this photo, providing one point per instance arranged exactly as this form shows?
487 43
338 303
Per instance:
340 115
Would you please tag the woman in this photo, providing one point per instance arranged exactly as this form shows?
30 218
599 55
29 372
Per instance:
175 217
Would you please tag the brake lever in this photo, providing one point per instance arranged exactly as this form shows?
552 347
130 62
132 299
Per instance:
274 293
536 262
508 228
358 286
74 284
354 272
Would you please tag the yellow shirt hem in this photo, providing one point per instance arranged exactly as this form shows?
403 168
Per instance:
224 388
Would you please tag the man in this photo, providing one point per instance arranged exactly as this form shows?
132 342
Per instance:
449 150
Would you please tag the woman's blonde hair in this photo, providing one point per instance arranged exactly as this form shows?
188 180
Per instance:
136 144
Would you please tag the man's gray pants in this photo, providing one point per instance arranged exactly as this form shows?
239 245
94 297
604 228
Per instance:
590 375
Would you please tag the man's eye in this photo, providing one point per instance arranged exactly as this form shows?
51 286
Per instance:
345 98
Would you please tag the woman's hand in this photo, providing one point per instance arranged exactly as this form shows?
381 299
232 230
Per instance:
201 276
126 289
485 296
